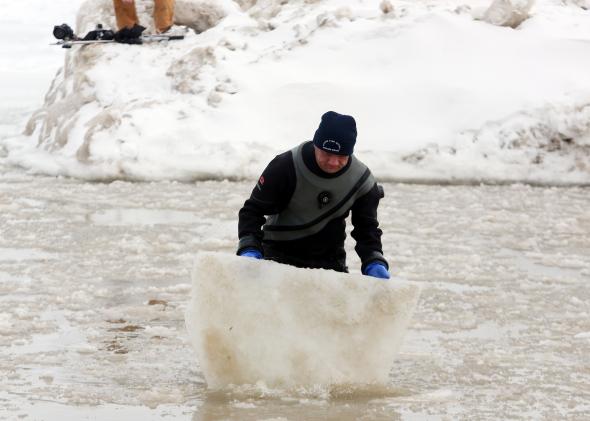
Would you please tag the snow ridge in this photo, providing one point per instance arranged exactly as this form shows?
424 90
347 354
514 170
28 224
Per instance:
439 93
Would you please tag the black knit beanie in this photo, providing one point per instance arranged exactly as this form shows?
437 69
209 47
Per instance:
336 134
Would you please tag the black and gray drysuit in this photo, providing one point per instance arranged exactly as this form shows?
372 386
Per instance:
306 210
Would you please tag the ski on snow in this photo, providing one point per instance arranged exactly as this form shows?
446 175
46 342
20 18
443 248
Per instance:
141 40
67 38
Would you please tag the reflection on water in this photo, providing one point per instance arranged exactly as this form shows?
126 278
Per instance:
117 217
344 403
67 337
22 254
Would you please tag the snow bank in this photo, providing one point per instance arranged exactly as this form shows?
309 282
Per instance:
257 321
438 95
27 62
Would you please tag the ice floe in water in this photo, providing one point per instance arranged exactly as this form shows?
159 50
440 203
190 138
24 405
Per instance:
257 321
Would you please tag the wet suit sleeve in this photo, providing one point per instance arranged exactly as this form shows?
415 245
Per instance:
366 230
271 195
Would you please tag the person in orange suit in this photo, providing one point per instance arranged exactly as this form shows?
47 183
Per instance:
127 15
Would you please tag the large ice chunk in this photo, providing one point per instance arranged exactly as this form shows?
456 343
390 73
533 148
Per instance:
253 321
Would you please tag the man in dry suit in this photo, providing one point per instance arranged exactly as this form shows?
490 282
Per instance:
307 193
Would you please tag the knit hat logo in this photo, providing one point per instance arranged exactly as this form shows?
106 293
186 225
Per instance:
331 146
336 134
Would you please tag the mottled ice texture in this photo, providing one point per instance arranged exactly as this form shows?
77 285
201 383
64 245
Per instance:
95 282
257 321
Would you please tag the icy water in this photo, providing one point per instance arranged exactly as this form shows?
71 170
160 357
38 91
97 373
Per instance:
94 280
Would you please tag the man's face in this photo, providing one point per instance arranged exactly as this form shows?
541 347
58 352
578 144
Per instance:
328 162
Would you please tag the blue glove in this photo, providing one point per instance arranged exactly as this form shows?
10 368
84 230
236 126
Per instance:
376 270
253 253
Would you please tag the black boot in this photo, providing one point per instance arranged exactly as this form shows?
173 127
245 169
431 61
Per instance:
130 35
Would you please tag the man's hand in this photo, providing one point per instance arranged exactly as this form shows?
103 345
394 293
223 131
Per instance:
376 270
253 253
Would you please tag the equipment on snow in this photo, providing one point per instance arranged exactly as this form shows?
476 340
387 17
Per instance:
99 33
67 38
63 31
130 35
66 33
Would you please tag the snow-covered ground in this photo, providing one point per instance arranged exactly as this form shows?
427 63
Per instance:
27 63
95 279
438 93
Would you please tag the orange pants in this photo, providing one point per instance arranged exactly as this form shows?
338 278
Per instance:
127 15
